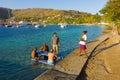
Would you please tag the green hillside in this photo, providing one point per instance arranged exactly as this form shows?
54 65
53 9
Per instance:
49 16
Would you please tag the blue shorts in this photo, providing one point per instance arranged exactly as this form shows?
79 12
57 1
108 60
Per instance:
50 63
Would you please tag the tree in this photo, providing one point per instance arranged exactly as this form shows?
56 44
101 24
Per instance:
111 12
96 18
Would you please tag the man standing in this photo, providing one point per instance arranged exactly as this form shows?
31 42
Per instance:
55 42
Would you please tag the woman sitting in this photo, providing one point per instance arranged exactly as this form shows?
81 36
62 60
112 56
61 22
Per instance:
44 48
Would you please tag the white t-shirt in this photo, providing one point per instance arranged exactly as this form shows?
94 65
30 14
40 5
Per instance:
83 42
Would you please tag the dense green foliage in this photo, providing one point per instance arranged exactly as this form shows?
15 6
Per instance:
5 13
111 12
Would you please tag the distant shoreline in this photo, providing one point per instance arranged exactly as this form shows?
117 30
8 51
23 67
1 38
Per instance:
82 24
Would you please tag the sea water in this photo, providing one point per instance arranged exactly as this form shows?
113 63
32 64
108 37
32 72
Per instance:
16 45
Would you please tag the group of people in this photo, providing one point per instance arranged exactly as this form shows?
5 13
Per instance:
55 42
52 53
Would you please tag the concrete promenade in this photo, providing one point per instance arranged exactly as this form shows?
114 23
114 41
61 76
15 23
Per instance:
71 66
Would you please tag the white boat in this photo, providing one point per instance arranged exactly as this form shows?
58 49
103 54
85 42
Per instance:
62 25
23 24
8 25
39 25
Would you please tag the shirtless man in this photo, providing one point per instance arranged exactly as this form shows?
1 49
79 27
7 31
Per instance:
34 54
51 57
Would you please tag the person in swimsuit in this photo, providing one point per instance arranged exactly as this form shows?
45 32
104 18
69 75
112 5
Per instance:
44 48
51 57
34 54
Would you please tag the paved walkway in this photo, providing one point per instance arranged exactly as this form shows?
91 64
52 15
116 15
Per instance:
71 66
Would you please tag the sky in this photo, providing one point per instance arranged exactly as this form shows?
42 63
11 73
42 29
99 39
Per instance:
90 6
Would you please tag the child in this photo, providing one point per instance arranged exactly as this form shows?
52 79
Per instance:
82 43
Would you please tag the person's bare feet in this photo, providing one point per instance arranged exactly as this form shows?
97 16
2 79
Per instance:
79 54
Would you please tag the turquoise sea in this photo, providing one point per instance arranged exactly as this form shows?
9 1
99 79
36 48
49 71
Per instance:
16 45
